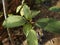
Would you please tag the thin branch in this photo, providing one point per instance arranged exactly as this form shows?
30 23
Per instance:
4 9
5 15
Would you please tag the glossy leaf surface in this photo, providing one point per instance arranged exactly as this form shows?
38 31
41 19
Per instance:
18 9
43 22
14 21
32 38
53 27
26 28
25 11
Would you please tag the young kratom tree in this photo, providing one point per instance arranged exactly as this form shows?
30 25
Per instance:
25 20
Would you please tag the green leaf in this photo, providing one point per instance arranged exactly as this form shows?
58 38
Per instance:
49 24
55 9
26 28
32 38
42 22
18 9
14 21
34 13
53 27
26 12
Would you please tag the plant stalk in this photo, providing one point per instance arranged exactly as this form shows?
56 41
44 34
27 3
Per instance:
5 15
